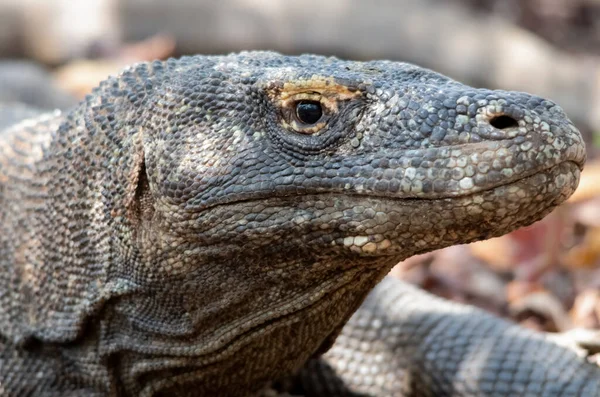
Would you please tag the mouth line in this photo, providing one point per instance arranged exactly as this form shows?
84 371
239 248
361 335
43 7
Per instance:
508 182
392 196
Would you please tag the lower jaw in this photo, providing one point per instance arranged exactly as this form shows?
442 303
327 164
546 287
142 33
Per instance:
490 213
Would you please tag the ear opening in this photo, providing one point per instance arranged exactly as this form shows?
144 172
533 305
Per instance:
141 203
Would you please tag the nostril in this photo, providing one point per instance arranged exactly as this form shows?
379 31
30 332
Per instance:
503 122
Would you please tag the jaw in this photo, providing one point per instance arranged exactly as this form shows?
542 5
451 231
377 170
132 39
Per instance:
357 225
422 225
330 251
268 261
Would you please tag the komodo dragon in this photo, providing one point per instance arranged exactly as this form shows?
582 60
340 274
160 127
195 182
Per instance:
208 226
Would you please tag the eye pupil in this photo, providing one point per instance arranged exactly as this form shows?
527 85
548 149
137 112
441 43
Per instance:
309 112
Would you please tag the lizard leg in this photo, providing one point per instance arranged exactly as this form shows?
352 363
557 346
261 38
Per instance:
406 342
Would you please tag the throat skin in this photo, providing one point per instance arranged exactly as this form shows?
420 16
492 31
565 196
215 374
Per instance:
303 328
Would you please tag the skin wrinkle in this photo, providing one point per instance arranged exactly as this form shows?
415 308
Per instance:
180 238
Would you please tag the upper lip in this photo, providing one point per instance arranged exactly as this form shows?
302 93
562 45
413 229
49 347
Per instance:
508 181
574 154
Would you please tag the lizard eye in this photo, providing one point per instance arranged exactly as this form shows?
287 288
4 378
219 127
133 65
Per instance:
309 112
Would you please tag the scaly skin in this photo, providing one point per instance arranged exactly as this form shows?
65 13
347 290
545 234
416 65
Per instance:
182 232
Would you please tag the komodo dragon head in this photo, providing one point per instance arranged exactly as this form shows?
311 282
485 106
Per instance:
255 199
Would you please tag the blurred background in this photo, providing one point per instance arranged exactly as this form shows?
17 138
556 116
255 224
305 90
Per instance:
546 277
